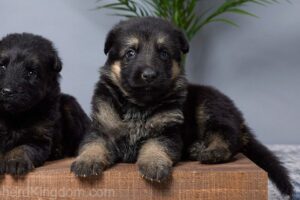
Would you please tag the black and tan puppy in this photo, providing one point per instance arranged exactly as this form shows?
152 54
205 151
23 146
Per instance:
144 111
37 121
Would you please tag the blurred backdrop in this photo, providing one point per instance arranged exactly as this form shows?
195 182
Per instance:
257 64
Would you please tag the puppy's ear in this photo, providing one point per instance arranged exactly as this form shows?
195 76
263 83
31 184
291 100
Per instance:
110 40
183 42
57 64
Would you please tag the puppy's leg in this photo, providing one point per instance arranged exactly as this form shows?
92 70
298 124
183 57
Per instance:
156 158
75 124
24 158
213 149
2 164
94 156
218 134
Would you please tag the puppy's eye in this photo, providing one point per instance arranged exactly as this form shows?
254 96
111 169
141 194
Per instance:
130 54
31 73
164 55
2 67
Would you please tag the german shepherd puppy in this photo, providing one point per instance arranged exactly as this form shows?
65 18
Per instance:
144 111
37 121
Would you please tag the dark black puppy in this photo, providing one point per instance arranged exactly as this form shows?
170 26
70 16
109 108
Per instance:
37 122
145 112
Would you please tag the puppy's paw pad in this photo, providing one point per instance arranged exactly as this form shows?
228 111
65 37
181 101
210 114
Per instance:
214 156
87 168
155 172
19 166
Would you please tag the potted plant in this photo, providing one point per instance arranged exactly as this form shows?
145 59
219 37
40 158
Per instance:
182 13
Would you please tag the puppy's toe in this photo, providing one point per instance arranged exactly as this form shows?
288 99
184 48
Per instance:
155 171
195 150
19 166
212 156
87 168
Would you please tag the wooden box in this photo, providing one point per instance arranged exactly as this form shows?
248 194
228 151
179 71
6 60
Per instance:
237 180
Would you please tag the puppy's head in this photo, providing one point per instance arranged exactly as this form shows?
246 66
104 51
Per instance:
144 57
29 69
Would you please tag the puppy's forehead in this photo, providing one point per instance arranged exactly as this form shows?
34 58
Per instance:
134 40
19 55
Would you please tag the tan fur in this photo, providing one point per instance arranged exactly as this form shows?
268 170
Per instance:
116 72
107 116
95 151
201 117
17 153
115 75
162 119
161 39
217 141
175 69
153 151
132 41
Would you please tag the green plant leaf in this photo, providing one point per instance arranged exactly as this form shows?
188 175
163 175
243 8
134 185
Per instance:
224 20
182 13
240 11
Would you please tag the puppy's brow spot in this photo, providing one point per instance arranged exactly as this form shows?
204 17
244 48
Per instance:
175 69
132 41
161 39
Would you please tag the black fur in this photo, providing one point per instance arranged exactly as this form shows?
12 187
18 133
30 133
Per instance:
37 121
183 121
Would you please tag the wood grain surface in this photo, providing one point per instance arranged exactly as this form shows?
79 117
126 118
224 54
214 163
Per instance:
238 180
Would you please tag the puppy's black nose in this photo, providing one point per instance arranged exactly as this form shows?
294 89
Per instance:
5 92
149 75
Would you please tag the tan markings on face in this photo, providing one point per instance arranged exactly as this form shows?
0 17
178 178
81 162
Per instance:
115 75
153 151
95 151
175 69
161 39
132 41
116 72
107 117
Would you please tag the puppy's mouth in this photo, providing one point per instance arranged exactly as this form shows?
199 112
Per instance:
11 105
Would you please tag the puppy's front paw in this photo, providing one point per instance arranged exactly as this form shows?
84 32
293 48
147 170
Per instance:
214 156
155 171
2 167
85 168
17 166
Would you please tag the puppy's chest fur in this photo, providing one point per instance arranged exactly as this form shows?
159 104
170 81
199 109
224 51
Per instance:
18 132
135 123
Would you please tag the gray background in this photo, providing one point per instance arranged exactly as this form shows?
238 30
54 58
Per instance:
257 64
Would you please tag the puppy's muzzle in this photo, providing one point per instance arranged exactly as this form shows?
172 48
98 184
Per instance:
149 75
6 92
